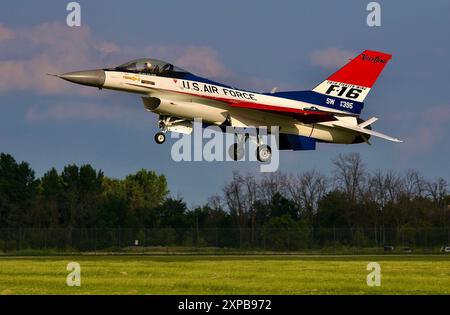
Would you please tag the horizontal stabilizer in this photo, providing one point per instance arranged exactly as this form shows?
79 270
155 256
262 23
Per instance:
365 131
368 122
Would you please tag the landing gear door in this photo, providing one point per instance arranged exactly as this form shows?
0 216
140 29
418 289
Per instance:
184 127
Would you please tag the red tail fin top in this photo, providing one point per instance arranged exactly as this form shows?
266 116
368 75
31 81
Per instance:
362 70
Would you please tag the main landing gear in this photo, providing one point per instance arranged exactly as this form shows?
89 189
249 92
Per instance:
263 153
237 150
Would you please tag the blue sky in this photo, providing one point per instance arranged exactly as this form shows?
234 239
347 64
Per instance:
252 44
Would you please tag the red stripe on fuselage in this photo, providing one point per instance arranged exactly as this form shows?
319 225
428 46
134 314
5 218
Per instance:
306 116
252 105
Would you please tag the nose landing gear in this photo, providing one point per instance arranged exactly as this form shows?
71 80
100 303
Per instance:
160 137
163 123
172 124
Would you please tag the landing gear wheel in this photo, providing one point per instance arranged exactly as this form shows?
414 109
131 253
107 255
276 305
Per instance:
236 152
263 153
160 138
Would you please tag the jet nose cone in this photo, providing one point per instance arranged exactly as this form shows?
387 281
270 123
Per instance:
89 77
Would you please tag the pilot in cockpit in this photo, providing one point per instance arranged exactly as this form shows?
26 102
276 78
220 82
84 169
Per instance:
149 68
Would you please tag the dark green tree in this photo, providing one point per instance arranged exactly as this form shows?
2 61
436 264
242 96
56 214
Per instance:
18 189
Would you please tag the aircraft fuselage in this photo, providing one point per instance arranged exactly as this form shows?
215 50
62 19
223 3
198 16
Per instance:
192 99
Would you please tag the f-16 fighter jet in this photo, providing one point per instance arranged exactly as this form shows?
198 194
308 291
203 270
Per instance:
329 113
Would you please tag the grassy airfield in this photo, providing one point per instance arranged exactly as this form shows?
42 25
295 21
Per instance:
185 274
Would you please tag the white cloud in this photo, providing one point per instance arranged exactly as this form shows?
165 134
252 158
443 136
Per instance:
46 48
202 60
429 130
28 54
6 33
424 129
331 58
56 48
76 111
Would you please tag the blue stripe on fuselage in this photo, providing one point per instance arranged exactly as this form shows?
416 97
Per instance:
322 100
311 97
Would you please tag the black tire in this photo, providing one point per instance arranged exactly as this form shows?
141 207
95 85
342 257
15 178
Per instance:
160 138
263 153
236 152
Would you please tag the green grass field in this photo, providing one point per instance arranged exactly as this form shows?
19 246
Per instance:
225 275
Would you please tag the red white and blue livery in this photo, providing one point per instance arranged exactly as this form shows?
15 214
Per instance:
329 113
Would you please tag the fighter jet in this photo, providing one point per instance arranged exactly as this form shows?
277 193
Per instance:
329 113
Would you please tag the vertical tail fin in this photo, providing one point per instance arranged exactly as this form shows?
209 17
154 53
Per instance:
354 80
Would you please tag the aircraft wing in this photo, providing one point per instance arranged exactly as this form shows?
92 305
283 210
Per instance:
308 116
362 130
311 116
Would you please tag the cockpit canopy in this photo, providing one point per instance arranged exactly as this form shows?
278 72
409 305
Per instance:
149 66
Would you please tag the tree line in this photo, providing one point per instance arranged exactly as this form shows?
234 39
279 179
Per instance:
281 209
